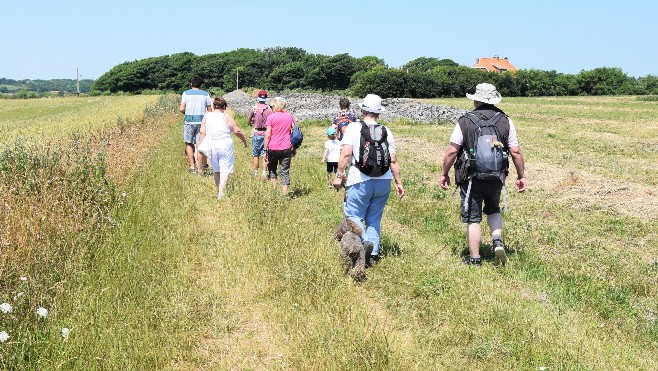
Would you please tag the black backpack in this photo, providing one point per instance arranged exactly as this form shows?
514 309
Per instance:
486 158
374 158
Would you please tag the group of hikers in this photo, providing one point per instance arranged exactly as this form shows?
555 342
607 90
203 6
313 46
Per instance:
360 155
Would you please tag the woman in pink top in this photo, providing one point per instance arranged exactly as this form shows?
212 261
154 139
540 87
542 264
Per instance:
277 143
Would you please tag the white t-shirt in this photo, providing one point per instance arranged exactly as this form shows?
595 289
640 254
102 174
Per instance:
352 137
334 150
457 136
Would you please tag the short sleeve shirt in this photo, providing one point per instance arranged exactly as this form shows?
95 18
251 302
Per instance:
352 137
281 123
334 150
196 102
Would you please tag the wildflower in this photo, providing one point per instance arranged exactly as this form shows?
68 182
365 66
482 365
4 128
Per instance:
123 194
543 368
23 278
42 312
5 308
4 336
18 296
65 332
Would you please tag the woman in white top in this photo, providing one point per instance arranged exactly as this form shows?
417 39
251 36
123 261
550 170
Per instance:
219 125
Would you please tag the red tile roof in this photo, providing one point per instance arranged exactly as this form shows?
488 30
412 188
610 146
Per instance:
495 64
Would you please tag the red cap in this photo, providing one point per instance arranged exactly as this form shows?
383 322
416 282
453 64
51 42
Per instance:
262 94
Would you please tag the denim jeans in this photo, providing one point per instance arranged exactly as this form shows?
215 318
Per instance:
365 203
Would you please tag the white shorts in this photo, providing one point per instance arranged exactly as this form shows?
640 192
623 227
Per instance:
222 159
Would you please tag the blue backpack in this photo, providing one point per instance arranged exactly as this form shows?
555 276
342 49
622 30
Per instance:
296 136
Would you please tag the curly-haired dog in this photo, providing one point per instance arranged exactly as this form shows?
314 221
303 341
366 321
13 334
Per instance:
352 252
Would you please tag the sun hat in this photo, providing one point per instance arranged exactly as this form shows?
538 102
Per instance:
485 93
331 131
262 96
372 103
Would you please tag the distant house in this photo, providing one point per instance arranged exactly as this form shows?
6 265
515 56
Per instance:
495 64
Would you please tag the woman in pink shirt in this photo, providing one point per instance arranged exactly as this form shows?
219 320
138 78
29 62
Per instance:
277 143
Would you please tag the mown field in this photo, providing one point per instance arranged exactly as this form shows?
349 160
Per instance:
149 271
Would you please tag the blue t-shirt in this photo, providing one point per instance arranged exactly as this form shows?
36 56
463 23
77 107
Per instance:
196 102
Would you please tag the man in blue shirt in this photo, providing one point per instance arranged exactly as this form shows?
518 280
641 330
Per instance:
194 104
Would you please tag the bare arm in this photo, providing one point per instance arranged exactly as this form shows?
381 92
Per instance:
448 159
202 133
181 108
343 162
266 142
517 157
324 155
235 129
395 169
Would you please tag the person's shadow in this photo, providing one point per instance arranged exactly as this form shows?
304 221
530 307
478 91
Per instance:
486 251
388 248
299 192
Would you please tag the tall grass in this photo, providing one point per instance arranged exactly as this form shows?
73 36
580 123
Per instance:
57 203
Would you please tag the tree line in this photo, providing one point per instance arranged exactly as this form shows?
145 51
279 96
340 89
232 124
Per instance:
290 68
44 86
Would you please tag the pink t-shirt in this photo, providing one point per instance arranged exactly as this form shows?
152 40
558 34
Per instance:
281 122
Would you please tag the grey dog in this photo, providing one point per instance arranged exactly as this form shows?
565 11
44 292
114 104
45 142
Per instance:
352 252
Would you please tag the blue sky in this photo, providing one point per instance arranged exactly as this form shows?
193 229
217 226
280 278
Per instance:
50 39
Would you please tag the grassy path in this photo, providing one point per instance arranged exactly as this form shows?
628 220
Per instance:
253 282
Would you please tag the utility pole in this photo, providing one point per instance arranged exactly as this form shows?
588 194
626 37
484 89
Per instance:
77 74
237 78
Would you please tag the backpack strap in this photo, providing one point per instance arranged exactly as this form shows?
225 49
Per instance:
493 120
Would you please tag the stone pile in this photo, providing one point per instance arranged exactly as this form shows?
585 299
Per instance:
304 106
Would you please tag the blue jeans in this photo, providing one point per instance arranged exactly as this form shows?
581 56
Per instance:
365 202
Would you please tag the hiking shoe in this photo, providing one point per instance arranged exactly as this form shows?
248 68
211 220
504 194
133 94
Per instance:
499 252
476 262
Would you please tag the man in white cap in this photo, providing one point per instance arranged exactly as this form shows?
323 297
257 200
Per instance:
476 187
370 173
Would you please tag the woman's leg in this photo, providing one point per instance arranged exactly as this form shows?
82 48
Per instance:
223 178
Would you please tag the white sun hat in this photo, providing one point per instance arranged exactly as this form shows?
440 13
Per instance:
372 103
485 93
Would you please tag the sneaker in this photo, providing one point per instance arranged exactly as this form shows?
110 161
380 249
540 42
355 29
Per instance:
499 252
476 262
220 195
192 170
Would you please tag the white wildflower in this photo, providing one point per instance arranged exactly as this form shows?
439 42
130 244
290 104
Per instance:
543 368
4 336
65 332
23 278
5 308
42 312
18 296
123 194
